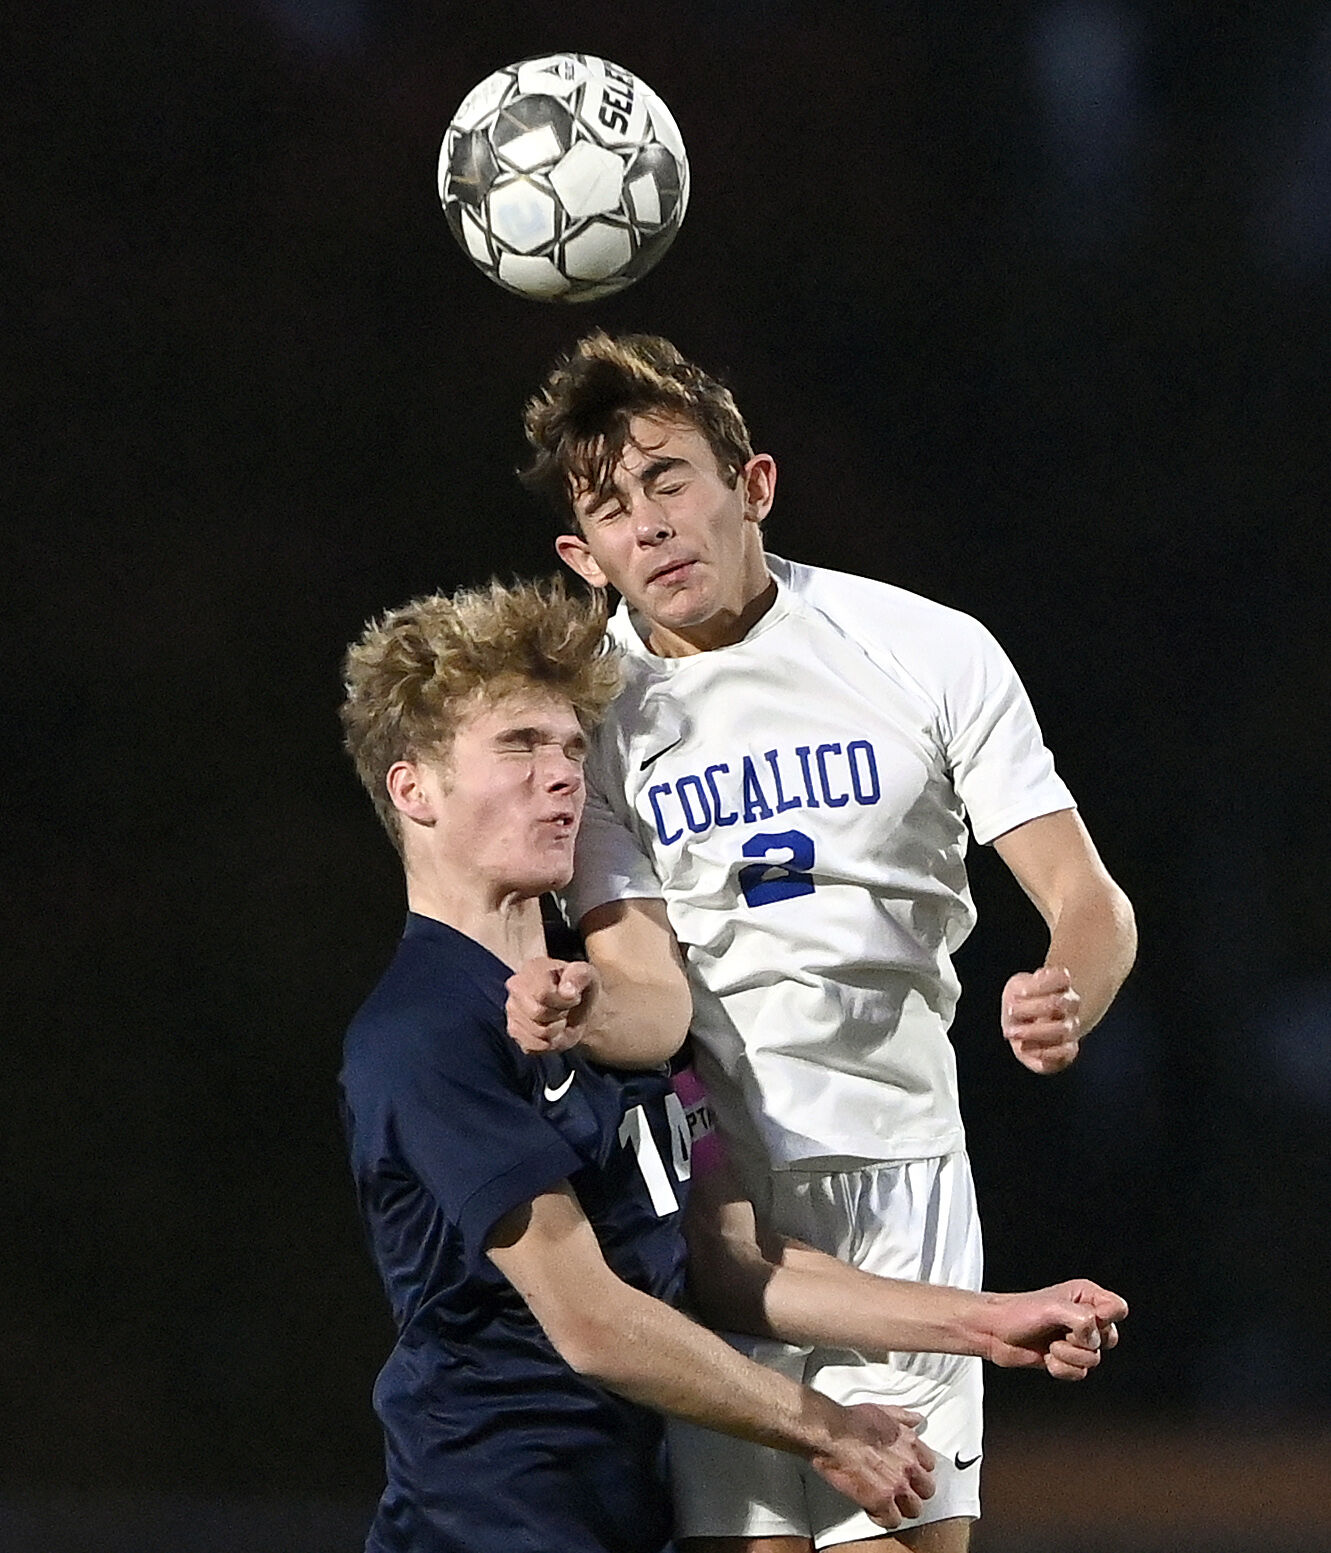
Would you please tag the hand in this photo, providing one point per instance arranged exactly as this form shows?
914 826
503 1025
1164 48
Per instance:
548 1003
1042 1018
1063 1329
878 1461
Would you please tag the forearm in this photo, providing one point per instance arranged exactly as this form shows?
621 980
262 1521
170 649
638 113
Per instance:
646 1351
636 1024
802 1296
1094 935
642 1011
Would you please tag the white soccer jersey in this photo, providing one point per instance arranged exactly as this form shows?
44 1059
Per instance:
799 800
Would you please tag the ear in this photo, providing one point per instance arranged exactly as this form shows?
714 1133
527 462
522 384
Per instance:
573 551
759 477
410 792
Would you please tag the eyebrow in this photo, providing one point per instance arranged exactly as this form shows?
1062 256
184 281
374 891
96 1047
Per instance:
650 473
532 735
661 466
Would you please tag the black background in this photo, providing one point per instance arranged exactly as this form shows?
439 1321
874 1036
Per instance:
1057 360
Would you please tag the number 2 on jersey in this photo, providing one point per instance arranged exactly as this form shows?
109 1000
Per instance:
781 878
636 1132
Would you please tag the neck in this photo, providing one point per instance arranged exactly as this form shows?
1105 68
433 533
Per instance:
722 629
507 924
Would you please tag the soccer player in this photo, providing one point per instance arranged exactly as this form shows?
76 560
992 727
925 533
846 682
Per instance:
525 1216
785 782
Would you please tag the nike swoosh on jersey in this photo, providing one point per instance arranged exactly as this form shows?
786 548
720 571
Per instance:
664 750
561 1090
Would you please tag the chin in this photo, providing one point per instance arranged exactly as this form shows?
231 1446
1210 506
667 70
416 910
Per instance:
684 613
554 875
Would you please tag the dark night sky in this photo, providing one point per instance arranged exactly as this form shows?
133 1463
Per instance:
1054 356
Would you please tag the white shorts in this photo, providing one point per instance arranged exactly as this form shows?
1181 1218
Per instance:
914 1220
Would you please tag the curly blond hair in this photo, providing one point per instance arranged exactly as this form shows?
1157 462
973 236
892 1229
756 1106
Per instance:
415 672
578 421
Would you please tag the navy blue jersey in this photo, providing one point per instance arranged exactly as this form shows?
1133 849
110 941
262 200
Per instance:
493 1443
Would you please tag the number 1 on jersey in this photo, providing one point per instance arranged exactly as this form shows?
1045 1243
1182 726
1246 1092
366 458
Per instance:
636 1132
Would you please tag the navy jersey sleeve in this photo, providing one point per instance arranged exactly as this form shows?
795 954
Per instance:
476 1141
435 1100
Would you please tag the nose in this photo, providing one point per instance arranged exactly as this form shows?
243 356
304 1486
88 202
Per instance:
561 773
650 525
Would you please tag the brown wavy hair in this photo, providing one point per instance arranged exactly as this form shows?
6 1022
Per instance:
578 420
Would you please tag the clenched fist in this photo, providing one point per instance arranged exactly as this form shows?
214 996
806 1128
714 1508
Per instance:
548 1003
1042 1018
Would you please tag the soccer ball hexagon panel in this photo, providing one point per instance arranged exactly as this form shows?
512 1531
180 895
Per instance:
564 177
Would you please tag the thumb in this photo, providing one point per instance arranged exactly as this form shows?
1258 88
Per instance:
1079 1321
577 977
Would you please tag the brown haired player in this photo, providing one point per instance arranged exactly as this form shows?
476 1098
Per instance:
786 782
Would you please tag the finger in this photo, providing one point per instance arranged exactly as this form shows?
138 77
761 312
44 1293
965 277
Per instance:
1067 1361
1051 1032
1069 1351
540 1004
922 1480
537 1036
1047 1059
551 1007
1109 1336
1057 1369
1048 978
535 1016
905 1417
927 1460
1035 1010
909 1503
1108 1306
561 996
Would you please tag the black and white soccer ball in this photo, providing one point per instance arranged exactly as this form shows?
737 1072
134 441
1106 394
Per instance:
563 177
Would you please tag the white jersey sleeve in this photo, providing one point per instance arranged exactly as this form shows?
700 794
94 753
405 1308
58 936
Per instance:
1001 769
995 753
610 863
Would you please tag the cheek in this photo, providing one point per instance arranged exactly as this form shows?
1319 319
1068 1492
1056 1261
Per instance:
497 806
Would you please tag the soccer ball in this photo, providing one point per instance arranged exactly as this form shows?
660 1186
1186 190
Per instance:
564 178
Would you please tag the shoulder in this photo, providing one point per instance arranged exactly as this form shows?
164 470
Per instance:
433 1011
933 640
644 705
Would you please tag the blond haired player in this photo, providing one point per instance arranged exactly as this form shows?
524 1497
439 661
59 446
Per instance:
525 1216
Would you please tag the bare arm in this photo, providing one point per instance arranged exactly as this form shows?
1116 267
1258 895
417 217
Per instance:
782 1288
642 1349
1092 940
629 1007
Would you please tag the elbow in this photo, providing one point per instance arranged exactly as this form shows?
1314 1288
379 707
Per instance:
588 1344
1125 922
728 1289
669 1012
667 1002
